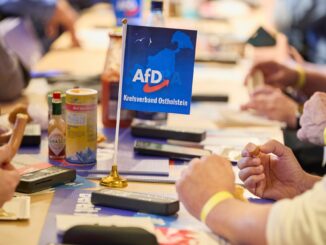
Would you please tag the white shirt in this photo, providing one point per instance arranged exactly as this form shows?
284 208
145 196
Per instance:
301 220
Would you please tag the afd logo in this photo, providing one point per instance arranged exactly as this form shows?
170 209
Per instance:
152 79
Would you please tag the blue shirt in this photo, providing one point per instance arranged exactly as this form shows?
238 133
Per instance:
38 10
304 22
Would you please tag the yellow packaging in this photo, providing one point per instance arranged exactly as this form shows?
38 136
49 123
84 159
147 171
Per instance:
81 125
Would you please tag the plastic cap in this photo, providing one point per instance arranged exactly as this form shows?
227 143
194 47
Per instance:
56 95
157 5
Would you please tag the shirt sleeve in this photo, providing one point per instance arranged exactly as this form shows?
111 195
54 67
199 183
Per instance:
301 220
41 10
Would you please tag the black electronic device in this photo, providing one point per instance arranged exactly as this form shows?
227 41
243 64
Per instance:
136 201
169 150
262 38
210 98
167 132
99 235
45 178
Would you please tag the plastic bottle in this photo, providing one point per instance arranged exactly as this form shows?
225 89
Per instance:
57 130
156 17
110 85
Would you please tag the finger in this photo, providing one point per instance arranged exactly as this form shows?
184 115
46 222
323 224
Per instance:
274 147
248 162
250 171
249 149
253 180
265 90
295 55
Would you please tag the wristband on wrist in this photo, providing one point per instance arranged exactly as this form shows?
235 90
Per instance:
302 77
325 136
212 202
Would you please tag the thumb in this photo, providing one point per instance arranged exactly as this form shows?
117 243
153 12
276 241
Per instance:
274 147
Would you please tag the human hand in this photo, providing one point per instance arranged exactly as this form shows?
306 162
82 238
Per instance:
272 173
9 179
275 74
272 103
5 155
65 16
313 119
203 178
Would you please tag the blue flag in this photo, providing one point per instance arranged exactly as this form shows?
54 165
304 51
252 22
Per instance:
158 69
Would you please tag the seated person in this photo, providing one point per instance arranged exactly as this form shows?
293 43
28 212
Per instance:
13 76
303 22
9 177
48 17
270 171
206 189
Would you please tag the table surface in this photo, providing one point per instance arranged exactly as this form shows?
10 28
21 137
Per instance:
90 61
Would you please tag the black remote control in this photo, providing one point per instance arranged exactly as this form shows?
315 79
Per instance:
169 150
136 201
167 132
45 178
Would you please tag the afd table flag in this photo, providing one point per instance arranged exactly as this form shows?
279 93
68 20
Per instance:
158 69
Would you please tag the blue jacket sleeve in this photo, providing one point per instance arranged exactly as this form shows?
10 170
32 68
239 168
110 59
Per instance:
41 10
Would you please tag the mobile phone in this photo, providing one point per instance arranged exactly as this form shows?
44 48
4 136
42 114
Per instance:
262 38
168 150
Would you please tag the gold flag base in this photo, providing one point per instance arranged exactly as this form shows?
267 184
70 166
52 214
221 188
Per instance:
114 180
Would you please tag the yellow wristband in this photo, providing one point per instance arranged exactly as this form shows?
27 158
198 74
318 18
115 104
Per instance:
324 136
302 77
212 202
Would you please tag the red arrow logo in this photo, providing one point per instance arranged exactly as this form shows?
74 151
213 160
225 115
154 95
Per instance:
151 89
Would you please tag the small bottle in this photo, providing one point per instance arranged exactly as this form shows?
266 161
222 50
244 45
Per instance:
156 17
57 130
110 85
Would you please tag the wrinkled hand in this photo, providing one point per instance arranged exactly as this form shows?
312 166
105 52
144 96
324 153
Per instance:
272 103
9 179
65 16
275 176
275 74
313 119
203 178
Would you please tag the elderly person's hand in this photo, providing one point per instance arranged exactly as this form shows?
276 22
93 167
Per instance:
313 119
272 103
275 73
203 178
272 171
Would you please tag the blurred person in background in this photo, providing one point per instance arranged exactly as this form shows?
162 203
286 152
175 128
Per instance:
303 22
48 17
14 77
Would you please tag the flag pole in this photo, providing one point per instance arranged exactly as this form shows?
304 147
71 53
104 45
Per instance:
114 179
